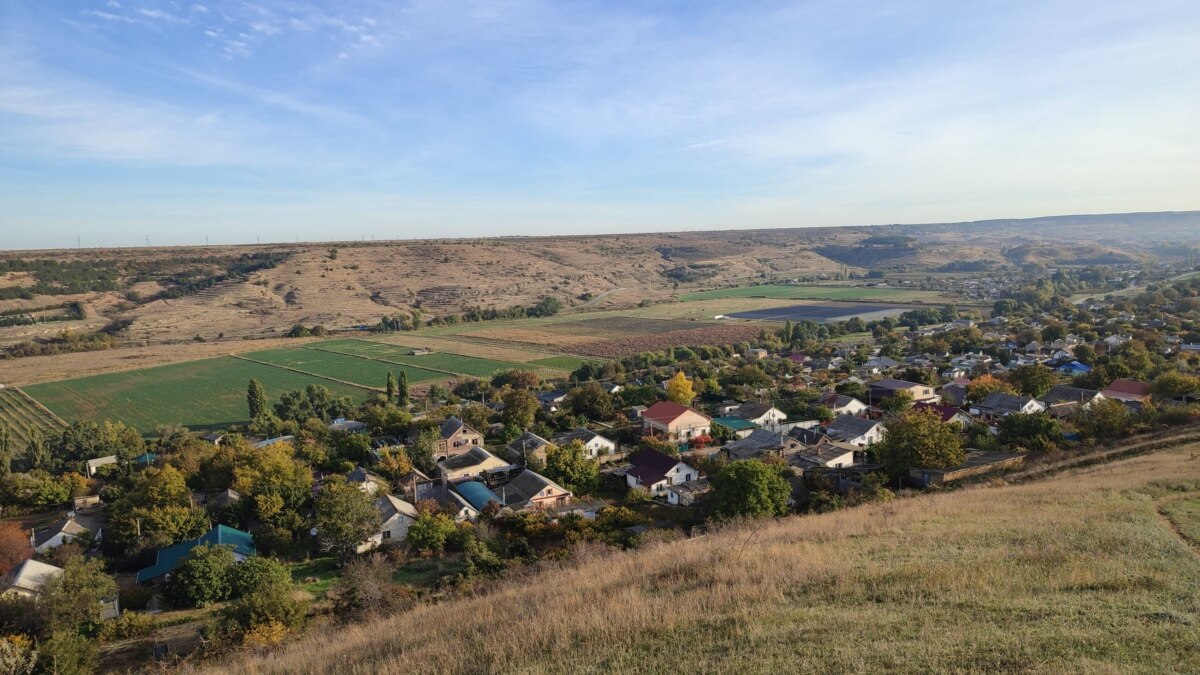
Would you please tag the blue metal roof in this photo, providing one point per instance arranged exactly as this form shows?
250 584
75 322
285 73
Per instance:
477 494
169 558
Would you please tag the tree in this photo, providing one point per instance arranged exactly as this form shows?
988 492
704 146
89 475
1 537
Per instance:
268 604
74 598
1038 432
366 588
520 407
6 450
346 517
570 466
986 384
395 463
402 389
204 577
476 415
517 379
1174 384
37 453
1104 419
14 546
66 652
430 531
897 403
750 488
254 572
1032 381
679 389
918 438
420 451
256 400
391 386
591 401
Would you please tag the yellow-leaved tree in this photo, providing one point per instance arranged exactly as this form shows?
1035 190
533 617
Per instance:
679 389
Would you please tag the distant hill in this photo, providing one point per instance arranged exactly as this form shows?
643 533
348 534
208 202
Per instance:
1085 572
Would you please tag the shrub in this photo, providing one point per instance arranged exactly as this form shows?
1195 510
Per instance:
128 625
366 588
203 577
254 572
67 653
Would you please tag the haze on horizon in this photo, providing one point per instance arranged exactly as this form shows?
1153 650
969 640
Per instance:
238 120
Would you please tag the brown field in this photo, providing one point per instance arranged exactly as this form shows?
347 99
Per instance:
467 347
532 336
627 346
1077 573
618 325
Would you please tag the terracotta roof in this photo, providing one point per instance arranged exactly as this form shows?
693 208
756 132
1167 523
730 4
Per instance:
1131 387
665 412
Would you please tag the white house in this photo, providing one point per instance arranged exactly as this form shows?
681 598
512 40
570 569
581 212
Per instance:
655 471
63 532
762 414
595 444
93 465
855 430
398 515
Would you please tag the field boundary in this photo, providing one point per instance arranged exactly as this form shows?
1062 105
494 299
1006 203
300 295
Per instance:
305 372
394 363
38 404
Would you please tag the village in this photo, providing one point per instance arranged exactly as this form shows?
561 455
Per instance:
319 509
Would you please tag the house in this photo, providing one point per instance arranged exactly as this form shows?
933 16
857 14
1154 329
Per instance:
686 494
1062 394
471 464
167 559
888 387
478 495
552 400
739 427
654 471
955 393
1073 368
676 422
397 516
1128 391
366 481
30 578
946 413
762 414
1000 404
268 442
854 430
843 405
74 526
825 455
757 353
527 446
93 465
595 444
977 462
530 490
345 426
454 438
450 498
759 443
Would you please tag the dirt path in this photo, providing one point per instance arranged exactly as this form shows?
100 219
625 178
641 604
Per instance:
1191 435
600 298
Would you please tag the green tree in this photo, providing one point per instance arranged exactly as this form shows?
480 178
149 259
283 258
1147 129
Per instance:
66 652
750 488
917 438
570 466
430 531
520 407
270 601
679 389
1032 381
6 450
255 571
1104 419
1038 432
203 577
591 401
897 403
256 399
420 451
1174 384
74 598
345 516
37 452
402 389
983 385
391 386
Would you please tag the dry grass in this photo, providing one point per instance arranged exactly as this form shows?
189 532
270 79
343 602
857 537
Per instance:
1078 573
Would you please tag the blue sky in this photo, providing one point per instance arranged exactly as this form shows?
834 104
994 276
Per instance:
240 121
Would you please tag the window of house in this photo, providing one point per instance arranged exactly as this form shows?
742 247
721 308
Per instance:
387 534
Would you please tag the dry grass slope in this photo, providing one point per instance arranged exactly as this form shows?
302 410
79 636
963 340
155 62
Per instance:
1078 573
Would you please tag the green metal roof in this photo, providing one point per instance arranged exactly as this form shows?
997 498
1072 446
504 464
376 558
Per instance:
735 423
170 557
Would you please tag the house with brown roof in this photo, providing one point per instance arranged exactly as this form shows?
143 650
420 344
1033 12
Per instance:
676 422
889 387
455 437
654 471
946 413
531 490
1128 391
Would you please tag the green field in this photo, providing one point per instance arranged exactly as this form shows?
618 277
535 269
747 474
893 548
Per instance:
788 292
390 353
20 415
353 369
570 363
206 394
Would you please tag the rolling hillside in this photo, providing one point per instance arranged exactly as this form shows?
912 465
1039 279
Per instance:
1090 571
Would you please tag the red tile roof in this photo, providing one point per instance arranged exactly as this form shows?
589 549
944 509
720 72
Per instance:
665 412
1131 387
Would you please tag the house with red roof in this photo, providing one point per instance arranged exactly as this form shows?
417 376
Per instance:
676 422
1128 391
947 413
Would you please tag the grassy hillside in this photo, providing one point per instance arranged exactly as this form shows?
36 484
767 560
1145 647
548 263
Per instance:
1090 571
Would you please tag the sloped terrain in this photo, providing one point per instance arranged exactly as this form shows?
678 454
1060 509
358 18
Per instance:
1081 572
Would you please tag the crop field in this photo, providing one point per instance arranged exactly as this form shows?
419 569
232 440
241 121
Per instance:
789 292
822 312
352 369
620 325
204 394
712 334
21 416
391 353
569 363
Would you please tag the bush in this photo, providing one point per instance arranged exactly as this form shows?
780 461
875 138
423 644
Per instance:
135 597
67 653
254 572
270 603
203 577
128 625
366 589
